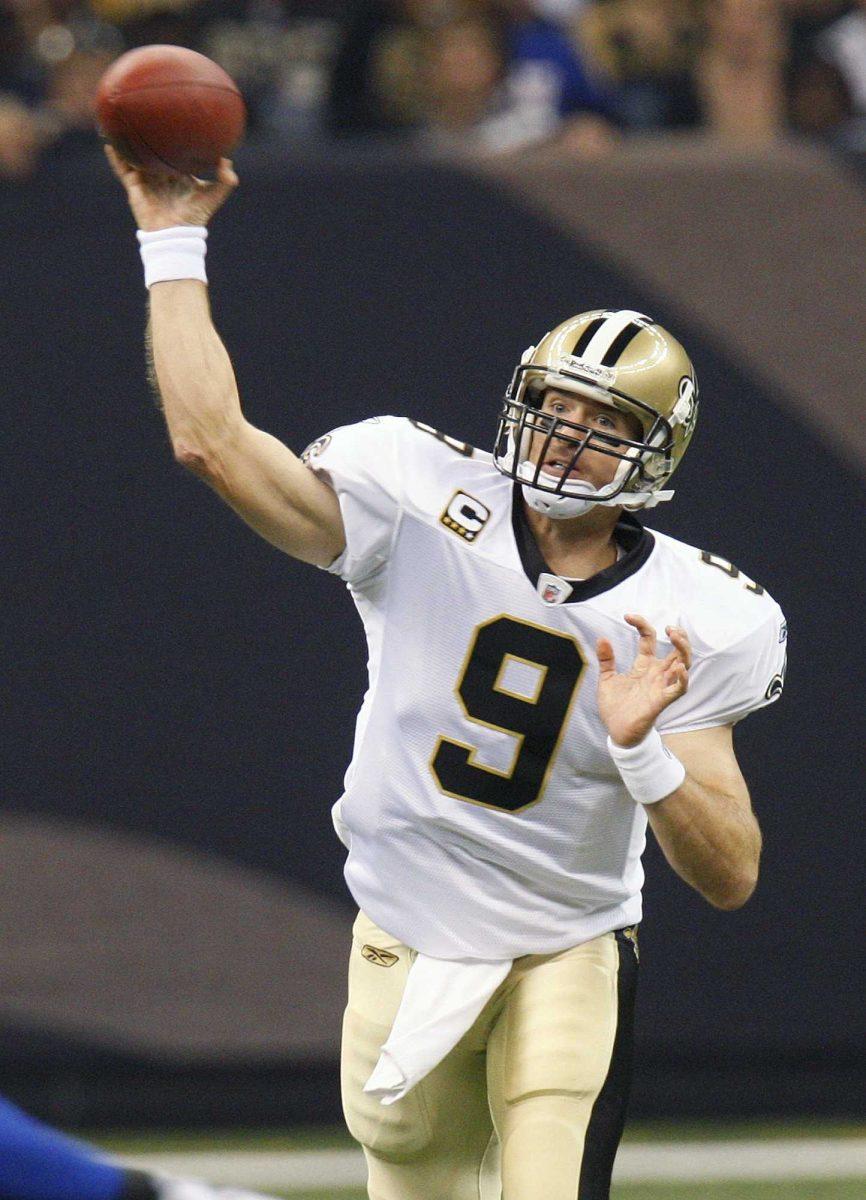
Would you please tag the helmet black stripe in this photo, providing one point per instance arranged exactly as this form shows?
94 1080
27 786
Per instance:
619 343
588 334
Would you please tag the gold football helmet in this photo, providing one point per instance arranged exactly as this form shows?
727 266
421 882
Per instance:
622 359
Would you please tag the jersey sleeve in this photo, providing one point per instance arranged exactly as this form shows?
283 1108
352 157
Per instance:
727 684
363 465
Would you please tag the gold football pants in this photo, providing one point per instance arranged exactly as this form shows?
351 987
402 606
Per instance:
530 1101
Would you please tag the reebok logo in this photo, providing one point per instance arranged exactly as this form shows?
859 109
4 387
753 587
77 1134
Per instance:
379 958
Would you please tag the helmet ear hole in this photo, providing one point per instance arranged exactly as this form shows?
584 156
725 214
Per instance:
534 393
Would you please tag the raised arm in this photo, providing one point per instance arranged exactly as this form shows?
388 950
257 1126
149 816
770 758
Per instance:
262 480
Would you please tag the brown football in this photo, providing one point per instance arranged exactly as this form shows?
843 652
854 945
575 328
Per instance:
170 111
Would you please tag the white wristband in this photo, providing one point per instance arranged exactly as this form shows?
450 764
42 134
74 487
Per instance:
175 253
648 770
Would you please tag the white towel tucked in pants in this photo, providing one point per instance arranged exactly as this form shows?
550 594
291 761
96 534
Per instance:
441 1002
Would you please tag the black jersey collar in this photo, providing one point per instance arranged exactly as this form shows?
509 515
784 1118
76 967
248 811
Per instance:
636 541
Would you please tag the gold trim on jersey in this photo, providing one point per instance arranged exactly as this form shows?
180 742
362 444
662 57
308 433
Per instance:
512 733
542 675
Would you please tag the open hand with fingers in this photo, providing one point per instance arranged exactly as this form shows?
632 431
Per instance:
630 702
164 201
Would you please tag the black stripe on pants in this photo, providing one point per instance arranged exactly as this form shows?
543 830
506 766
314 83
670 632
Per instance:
607 1121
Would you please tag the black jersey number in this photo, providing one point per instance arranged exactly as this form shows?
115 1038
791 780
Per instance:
461 447
534 715
712 560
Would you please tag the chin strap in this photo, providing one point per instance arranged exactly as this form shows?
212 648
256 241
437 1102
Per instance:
556 507
574 503
647 499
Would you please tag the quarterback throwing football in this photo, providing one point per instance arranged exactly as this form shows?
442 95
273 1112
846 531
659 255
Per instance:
578 677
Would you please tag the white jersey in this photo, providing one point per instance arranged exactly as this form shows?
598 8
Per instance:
485 817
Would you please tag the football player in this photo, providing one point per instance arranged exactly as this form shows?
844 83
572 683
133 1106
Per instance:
547 676
38 1163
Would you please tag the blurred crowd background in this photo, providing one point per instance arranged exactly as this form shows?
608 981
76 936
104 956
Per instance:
483 76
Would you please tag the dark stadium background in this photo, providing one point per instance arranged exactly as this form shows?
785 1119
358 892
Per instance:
179 698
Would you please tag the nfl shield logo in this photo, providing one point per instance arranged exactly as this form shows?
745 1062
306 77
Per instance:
552 589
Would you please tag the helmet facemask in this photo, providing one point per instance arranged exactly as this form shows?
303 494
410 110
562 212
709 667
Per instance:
643 464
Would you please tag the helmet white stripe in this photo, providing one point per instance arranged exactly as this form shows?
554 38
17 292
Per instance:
608 332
